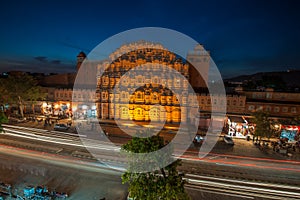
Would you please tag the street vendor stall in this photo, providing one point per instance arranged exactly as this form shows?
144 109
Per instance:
290 132
237 127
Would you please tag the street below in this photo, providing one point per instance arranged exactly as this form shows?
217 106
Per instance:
60 161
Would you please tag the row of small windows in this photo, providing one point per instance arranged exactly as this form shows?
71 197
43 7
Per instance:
234 102
61 95
153 112
275 109
69 95
141 81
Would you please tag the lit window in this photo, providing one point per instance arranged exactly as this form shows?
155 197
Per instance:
124 111
139 95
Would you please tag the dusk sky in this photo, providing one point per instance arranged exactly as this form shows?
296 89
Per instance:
244 37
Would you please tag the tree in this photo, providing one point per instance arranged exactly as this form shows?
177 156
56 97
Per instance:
3 119
163 183
263 125
20 88
35 95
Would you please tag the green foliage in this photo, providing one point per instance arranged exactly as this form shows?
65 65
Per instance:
263 124
19 88
3 119
163 183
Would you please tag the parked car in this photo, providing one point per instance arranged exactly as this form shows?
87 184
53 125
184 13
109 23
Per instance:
228 140
60 127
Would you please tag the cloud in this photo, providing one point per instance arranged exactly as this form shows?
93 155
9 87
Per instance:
38 64
42 59
56 62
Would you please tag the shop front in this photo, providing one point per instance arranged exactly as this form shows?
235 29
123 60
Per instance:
238 127
83 111
60 109
290 133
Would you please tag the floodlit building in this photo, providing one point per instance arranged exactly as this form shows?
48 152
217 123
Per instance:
137 85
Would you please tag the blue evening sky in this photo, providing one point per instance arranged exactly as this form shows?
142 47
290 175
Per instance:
244 37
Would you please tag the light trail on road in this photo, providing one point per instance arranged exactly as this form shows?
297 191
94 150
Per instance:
221 186
58 138
243 188
61 160
218 159
245 157
244 163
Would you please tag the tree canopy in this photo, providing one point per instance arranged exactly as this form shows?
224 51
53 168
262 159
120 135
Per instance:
16 89
3 119
163 183
264 127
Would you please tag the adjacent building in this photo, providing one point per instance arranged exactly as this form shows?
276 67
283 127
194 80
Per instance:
277 103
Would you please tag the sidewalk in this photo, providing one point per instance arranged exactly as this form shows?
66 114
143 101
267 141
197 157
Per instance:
248 148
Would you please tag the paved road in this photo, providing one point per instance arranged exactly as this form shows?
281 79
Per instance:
224 161
242 154
23 168
86 180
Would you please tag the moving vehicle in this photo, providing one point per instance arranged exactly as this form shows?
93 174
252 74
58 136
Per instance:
60 127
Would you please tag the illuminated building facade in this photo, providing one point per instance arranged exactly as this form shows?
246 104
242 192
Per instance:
145 87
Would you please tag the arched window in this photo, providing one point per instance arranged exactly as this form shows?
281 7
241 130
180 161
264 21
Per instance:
154 97
139 95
